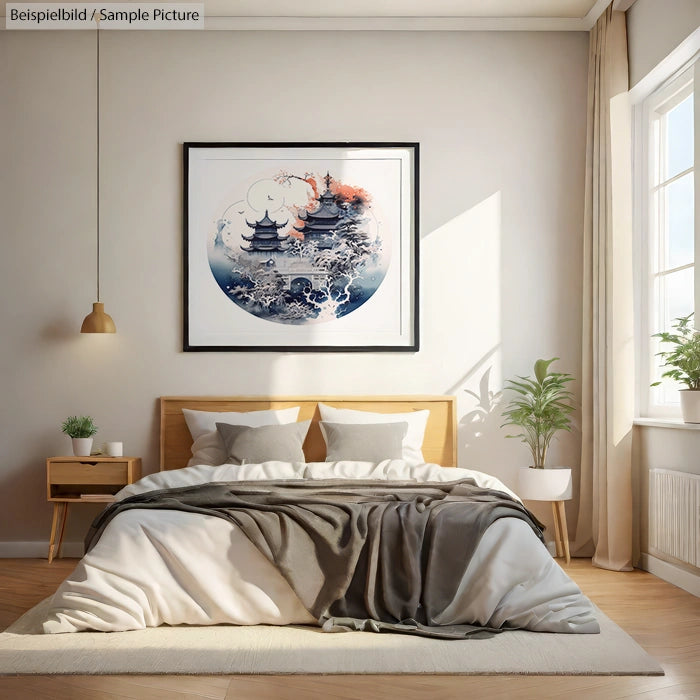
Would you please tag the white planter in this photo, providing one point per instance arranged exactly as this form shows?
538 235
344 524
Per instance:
553 484
690 405
82 447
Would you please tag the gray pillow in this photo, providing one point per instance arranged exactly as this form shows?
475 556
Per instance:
363 442
246 445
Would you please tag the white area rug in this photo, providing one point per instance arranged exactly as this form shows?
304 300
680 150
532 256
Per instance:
264 649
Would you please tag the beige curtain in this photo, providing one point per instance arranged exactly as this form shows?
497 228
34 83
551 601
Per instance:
604 527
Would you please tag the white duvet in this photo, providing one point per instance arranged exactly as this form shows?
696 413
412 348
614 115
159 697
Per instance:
154 567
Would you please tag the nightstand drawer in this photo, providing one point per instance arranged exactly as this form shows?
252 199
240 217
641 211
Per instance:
86 473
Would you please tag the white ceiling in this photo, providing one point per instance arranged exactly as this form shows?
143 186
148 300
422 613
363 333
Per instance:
398 8
410 14
381 8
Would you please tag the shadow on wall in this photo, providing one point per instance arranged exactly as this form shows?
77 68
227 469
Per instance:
482 444
59 330
480 427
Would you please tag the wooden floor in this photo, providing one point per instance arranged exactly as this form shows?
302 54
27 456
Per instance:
662 618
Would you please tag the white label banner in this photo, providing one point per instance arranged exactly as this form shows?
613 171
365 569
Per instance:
111 15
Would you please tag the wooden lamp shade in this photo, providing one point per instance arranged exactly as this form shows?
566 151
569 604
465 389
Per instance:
98 321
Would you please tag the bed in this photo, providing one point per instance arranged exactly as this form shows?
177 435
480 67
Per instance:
343 512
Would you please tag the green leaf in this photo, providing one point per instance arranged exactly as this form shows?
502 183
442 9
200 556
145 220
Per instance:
541 367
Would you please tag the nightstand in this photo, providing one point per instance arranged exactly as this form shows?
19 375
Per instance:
84 480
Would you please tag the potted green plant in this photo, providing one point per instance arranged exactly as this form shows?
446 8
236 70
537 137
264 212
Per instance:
541 407
80 429
683 359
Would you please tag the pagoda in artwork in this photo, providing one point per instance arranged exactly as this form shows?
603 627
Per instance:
320 224
265 239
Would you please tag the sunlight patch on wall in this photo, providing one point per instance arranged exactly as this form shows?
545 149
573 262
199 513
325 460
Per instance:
462 323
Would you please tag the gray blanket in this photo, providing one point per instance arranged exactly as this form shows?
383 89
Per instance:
361 555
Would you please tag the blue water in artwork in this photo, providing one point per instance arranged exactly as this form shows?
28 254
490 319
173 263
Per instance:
304 263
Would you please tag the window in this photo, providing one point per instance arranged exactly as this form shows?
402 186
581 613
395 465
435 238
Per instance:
666 204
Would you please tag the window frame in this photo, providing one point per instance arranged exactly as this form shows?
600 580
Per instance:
661 100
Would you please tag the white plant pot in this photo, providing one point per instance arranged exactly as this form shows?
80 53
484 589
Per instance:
553 484
690 405
82 447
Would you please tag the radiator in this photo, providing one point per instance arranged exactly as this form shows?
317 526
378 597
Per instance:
674 515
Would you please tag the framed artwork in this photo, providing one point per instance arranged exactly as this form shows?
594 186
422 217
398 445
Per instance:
301 247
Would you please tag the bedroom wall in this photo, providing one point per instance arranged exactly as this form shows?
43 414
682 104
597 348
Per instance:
500 118
655 29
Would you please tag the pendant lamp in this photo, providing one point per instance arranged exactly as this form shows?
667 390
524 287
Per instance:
98 321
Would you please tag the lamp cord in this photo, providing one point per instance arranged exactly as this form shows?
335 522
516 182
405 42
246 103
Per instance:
98 160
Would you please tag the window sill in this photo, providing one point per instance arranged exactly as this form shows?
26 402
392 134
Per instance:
675 424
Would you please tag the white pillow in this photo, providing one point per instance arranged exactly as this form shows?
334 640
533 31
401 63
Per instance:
411 443
208 447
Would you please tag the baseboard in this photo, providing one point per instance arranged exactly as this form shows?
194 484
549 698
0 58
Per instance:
37 550
669 572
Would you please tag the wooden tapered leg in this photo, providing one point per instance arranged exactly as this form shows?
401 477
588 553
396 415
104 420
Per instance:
564 530
54 525
64 517
557 531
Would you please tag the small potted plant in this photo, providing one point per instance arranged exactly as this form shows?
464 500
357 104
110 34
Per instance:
541 408
80 429
683 359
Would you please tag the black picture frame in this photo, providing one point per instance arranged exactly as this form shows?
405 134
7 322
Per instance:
301 247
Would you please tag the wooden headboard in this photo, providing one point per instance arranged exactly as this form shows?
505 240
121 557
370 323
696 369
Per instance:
439 444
